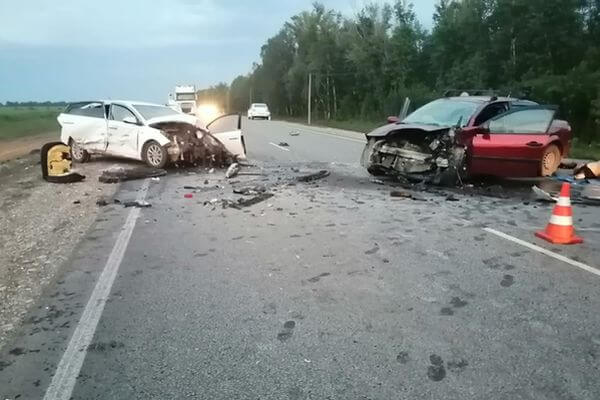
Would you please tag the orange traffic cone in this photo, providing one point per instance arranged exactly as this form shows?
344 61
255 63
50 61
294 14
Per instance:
560 230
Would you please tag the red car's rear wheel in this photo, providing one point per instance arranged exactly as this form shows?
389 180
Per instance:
550 160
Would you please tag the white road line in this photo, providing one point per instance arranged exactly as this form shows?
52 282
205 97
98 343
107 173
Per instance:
332 135
278 146
544 251
70 364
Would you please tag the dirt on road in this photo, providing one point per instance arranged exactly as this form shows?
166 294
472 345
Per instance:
40 225
13 148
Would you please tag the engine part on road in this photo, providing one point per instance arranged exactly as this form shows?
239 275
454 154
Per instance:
560 230
56 164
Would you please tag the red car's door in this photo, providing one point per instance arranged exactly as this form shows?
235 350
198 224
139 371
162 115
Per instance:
512 144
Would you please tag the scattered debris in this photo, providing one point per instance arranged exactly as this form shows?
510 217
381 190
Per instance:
452 197
211 171
313 177
377 181
250 190
284 144
101 202
294 133
120 174
156 179
137 203
77 202
188 196
233 170
568 164
588 171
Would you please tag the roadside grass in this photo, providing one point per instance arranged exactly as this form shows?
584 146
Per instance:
18 122
585 151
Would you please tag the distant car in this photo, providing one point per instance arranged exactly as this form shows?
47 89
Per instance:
152 133
456 137
260 111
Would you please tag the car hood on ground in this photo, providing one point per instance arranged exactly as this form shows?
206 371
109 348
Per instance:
385 130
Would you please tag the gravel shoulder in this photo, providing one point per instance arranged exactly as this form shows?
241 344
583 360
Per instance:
41 224
13 148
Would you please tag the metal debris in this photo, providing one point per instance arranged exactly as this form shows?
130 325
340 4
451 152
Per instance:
137 203
233 170
244 202
313 177
250 190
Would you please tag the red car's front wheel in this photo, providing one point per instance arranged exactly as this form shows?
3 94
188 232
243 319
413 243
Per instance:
550 160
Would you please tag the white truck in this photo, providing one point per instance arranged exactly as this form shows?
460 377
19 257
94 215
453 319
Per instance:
185 97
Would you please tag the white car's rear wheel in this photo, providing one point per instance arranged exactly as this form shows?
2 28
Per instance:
78 154
155 155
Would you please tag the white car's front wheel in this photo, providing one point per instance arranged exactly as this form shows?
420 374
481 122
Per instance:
154 155
78 154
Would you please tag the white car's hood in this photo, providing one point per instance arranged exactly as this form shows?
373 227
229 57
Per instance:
190 119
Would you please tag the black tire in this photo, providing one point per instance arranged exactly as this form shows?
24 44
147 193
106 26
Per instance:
155 155
78 154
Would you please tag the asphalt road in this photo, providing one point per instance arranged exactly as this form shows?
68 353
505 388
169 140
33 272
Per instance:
327 290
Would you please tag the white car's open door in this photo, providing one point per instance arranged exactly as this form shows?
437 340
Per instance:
228 129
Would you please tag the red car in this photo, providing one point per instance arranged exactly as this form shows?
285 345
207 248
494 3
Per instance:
458 137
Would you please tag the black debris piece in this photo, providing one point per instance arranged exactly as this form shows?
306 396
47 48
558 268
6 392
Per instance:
101 202
247 202
452 197
250 190
400 194
284 144
313 177
119 174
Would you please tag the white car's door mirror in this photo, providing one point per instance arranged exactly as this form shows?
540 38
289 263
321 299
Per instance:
130 120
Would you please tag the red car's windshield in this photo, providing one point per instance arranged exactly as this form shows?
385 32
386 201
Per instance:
443 112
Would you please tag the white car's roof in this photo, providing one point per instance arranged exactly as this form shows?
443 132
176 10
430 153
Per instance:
130 103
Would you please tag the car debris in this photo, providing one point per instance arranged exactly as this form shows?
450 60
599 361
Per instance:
232 171
188 196
56 164
400 194
294 133
137 204
313 177
120 174
250 190
542 195
588 171
284 144
247 202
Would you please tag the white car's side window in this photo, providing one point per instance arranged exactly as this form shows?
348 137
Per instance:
119 113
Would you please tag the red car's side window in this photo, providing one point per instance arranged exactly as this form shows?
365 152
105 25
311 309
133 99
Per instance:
523 122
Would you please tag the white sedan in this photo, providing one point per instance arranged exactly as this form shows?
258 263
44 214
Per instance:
152 133
259 110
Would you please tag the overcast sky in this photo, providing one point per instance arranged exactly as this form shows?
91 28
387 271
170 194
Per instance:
138 49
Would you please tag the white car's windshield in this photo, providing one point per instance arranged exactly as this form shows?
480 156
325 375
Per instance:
443 112
149 111
260 106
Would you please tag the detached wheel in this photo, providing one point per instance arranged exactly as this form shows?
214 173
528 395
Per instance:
78 154
154 155
550 160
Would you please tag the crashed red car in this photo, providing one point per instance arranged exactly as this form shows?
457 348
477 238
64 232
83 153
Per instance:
453 138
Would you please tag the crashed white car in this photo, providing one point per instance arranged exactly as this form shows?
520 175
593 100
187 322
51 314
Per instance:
259 110
152 133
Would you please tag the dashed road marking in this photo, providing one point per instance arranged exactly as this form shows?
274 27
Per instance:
549 253
68 368
332 135
278 146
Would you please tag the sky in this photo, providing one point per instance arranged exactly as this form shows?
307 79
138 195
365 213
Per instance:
54 50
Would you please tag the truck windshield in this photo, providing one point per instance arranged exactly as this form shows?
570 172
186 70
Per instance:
185 96
149 112
443 112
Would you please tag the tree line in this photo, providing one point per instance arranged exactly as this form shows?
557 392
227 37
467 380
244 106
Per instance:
364 66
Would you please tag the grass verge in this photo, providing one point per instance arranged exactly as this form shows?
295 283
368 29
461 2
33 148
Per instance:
18 122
